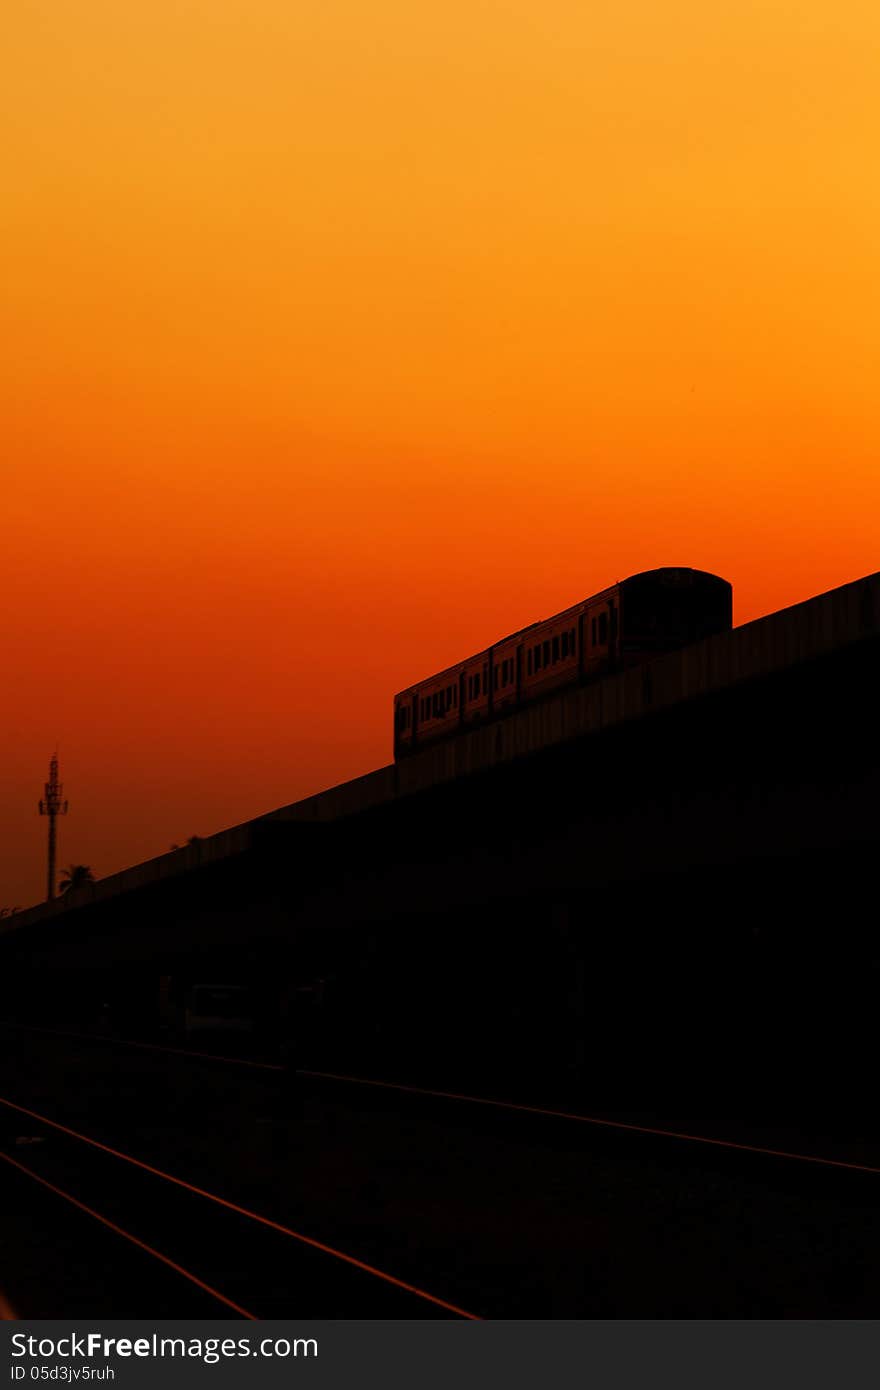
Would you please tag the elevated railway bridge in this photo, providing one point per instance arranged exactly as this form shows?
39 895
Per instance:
662 880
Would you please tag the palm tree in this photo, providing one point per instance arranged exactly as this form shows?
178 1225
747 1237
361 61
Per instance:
75 876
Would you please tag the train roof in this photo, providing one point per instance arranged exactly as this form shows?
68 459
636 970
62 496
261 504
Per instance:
669 570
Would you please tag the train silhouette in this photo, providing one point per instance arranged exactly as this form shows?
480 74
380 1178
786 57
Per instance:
624 625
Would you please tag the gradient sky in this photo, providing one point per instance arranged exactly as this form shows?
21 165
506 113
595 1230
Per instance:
342 337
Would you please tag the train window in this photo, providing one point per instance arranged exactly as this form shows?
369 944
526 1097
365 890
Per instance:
564 645
571 642
538 657
555 649
547 652
603 628
529 662
593 631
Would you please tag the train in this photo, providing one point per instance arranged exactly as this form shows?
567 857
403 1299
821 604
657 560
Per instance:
624 625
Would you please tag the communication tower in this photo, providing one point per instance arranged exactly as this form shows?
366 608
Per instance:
53 805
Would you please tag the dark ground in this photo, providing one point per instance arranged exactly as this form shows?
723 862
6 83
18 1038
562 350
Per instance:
505 1216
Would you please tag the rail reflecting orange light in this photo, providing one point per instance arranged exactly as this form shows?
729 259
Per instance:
242 1211
133 1239
143 1046
462 1096
594 1120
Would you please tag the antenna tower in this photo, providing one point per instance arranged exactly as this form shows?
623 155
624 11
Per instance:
53 806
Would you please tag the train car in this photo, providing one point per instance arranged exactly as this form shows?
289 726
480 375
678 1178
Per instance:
630 622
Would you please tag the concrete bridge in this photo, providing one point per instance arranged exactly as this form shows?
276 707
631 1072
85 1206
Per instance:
692 844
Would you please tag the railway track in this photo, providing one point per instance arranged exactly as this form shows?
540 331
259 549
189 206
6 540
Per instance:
501 1105
406 1201
242 1261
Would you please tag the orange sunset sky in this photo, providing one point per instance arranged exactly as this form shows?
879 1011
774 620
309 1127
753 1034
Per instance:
342 337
